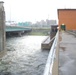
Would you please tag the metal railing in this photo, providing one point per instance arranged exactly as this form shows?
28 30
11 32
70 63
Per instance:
51 57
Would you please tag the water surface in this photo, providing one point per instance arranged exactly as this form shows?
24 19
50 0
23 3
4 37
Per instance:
24 56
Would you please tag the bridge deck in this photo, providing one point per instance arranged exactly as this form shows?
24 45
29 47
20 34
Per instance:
16 28
67 54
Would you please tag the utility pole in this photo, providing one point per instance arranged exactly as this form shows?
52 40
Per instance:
2 27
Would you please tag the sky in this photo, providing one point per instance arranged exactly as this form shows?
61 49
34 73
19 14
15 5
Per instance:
35 10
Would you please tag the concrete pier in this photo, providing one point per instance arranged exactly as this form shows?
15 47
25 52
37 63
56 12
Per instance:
2 27
46 44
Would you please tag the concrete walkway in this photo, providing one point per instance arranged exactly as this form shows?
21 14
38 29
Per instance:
67 54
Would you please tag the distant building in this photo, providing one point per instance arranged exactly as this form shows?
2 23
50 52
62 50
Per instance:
51 22
43 23
26 24
68 18
11 23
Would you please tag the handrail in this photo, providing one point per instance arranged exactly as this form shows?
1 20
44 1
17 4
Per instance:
50 60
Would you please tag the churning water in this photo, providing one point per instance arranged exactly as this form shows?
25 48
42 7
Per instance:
24 56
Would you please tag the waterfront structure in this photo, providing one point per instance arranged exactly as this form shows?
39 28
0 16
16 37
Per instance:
68 18
2 27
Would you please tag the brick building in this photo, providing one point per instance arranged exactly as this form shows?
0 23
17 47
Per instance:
67 17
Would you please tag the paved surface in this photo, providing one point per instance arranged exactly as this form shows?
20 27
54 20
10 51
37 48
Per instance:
67 54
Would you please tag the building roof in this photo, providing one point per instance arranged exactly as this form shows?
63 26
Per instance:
66 9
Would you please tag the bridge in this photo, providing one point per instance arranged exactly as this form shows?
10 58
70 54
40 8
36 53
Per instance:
17 29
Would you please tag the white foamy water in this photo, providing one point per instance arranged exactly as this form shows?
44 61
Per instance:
24 56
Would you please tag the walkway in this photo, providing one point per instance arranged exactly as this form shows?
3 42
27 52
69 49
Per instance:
67 54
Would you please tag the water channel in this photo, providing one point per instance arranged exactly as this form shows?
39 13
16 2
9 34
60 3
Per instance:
24 56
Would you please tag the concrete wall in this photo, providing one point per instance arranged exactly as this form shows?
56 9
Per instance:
67 17
2 27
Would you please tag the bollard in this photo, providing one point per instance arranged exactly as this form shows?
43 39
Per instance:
2 27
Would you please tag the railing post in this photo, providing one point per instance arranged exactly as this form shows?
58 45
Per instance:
2 27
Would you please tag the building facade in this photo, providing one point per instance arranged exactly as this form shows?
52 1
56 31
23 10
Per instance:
68 18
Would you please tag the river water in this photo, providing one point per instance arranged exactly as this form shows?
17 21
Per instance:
24 56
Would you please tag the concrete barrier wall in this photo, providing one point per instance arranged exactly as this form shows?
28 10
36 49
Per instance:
2 27
51 67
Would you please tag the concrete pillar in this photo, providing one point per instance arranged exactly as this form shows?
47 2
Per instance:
2 27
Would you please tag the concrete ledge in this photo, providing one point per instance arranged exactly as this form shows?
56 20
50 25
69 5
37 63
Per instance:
47 43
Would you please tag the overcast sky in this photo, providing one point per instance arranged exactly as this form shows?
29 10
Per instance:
35 10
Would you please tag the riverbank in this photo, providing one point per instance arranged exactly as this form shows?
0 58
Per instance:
40 32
